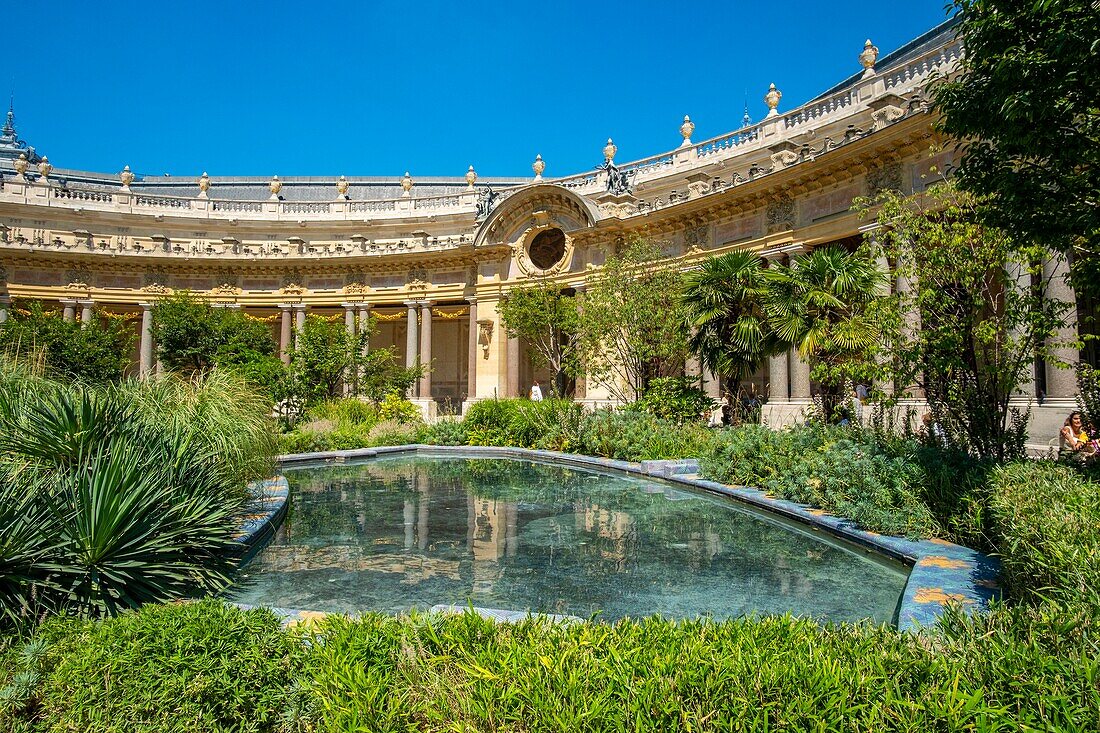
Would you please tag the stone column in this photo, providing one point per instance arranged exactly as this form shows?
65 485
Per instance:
1019 279
410 340
800 377
711 384
1062 382
886 386
68 309
512 368
349 325
5 304
299 323
777 378
426 349
284 333
910 325
580 391
364 325
471 369
145 365
86 311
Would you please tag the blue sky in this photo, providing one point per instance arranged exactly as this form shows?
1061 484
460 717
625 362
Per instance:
375 88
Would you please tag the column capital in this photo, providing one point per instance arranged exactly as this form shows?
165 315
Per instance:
146 305
426 304
86 301
286 306
351 306
412 303
299 306
69 301
471 299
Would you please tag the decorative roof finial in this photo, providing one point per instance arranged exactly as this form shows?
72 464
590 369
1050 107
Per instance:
868 58
686 130
274 186
9 123
471 176
204 185
44 169
609 151
126 177
772 100
406 184
342 187
538 167
745 119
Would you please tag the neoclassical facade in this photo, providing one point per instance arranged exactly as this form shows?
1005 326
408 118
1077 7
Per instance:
431 260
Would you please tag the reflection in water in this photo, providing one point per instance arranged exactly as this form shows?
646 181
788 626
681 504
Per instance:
396 533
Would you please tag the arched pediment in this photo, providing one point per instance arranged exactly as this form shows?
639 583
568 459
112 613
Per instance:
536 206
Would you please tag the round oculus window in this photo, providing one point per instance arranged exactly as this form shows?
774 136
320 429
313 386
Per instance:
547 248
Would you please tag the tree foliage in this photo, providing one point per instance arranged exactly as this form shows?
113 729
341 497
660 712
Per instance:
1027 106
972 323
724 303
97 352
633 327
826 303
191 336
548 321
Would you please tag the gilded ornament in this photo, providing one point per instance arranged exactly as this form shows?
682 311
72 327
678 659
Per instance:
44 168
609 151
868 58
406 184
275 186
471 176
686 130
126 177
342 187
20 164
538 167
204 184
772 100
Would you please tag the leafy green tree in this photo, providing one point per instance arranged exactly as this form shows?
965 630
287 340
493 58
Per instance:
633 328
548 321
724 302
96 352
978 329
1027 105
191 336
825 304
324 353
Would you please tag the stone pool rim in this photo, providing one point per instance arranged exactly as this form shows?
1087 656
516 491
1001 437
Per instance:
940 572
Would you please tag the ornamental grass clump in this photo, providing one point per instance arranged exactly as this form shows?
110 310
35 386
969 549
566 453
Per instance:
115 497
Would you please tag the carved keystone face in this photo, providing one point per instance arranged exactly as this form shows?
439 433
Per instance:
547 248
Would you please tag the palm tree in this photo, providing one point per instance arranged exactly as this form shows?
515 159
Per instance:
724 300
822 303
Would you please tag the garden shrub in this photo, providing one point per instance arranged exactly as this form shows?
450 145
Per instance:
639 436
395 407
1046 526
447 431
678 399
194 667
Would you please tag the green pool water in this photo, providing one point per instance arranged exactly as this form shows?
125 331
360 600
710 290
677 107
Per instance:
395 533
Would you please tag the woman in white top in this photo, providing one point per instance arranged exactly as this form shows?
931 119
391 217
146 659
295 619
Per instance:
536 392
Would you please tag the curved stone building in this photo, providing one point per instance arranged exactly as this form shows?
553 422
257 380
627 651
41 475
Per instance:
431 259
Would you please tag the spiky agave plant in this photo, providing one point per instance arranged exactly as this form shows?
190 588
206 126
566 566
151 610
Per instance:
109 508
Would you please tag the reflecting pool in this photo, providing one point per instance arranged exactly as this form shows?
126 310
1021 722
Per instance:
395 533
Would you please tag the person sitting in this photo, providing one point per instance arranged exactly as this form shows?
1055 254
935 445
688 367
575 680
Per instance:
536 392
1074 438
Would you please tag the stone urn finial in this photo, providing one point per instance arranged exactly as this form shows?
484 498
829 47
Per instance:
686 130
20 164
609 151
204 185
406 184
471 176
772 100
868 58
342 187
275 186
127 177
45 168
538 167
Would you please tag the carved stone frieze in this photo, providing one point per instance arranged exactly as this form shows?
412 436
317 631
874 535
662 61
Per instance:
695 238
78 277
884 178
226 289
780 214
